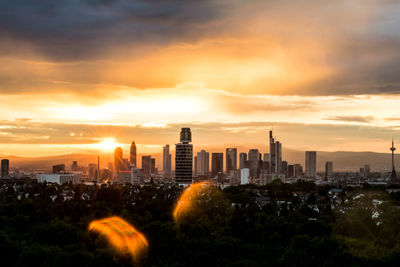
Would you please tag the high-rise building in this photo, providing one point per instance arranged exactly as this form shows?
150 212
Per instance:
119 164
275 154
58 168
153 166
184 158
231 159
5 168
311 164
202 163
217 163
146 166
298 170
242 160
284 168
132 159
290 172
92 171
328 169
74 166
166 161
266 157
245 176
254 162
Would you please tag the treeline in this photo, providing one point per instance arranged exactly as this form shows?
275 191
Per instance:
274 225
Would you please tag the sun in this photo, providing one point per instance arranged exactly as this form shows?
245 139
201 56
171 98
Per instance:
107 144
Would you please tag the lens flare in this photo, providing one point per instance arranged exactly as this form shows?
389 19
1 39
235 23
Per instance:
186 200
121 235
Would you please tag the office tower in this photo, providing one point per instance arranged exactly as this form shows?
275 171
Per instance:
132 159
195 166
5 168
231 159
119 164
298 170
242 160
393 177
284 168
311 164
217 163
275 154
266 157
328 169
290 172
127 165
146 166
202 163
74 166
153 165
166 161
184 158
254 162
58 168
92 171
110 166
245 176
366 169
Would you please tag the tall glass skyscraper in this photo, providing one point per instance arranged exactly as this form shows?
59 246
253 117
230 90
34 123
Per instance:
184 158
275 154
133 155
217 163
311 164
231 159
166 161
5 168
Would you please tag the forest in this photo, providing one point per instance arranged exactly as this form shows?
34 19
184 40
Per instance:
279 224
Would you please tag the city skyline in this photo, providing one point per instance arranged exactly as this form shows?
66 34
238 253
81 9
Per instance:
235 68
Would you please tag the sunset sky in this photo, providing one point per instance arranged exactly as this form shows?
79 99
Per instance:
324 74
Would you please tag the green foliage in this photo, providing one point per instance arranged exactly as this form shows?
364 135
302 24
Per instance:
273 225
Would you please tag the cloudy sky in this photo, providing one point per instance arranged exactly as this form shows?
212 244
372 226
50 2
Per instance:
324 74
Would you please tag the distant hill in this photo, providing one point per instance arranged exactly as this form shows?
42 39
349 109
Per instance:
342 160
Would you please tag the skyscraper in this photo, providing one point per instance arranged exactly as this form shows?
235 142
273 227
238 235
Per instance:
328 169
217 163
133 155
202 163
92 172
275 154
146 166
311 164
119 164
231 159
166 161
5 168
242 160
184 158
254 162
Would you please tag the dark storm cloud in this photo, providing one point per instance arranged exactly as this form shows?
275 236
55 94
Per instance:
78 29
359 41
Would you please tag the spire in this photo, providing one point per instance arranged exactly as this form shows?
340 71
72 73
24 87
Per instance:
393 177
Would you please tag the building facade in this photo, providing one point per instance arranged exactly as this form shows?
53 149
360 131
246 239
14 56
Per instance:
202 163
184 158
132 158
217 163
231 159
311 164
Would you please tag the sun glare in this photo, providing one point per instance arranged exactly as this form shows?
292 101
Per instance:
107 144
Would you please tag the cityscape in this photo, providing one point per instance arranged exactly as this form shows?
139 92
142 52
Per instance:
225 169
203 133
